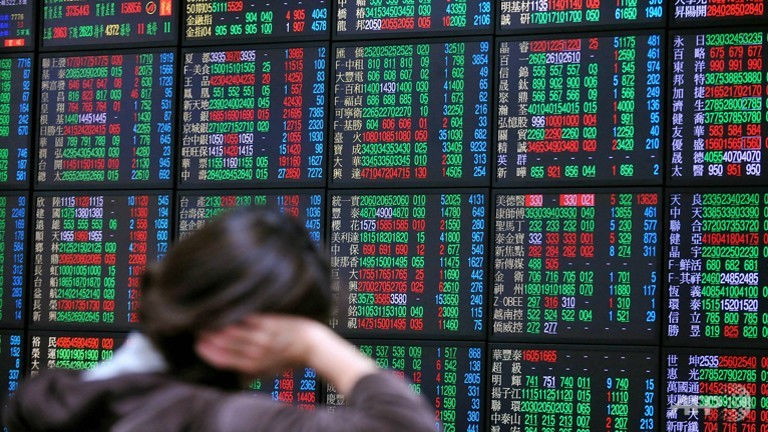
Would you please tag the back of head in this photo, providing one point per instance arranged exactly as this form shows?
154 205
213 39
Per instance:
245 261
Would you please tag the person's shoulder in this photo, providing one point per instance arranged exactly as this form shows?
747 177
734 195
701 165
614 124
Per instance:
62 400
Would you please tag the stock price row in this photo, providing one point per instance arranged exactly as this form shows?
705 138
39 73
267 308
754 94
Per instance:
500 387
571 266
89 23
569 111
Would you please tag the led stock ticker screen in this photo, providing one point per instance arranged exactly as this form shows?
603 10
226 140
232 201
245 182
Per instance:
254 116
298 387
719 116
715 390
14 208
361 18
712 11
195 208
74 351
15 115
17 24
550 387
540 213
580 110
577 266
529 16
106 119
90 250
211 20
450 375
412 113
67 23
409 264
11 360
716 275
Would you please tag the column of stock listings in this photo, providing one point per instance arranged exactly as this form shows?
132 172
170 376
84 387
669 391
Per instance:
546 215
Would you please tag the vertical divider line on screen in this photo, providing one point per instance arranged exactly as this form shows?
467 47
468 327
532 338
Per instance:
330 70
666 91
34 120
176 121
29 220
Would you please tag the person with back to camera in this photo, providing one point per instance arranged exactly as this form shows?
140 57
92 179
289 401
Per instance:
242 297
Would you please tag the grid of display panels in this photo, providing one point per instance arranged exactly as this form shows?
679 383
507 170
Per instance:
546 215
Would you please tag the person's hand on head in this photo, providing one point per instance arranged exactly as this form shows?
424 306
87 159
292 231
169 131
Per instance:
259 344
263 344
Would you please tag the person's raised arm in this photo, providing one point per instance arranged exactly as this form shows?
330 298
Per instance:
264 344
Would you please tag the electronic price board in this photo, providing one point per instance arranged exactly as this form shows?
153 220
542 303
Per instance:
718 125
716 268
100 23
376 18
195 208
13 269
559 387
74 351
247 20
106 120
580 110
409 264
577 266
240 127
11 363
15 103
17 24
450 375
412 114
90 250
298 387
715 391
717 11
518 16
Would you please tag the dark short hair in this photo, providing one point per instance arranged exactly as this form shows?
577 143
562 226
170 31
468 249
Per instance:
246 260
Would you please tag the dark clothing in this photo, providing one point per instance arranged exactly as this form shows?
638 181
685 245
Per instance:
60 400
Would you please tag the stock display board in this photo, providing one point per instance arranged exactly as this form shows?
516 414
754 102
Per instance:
17 24
450 375
75 351
195 208
90 250
517 16
361 18
11 361
298 387
13 264
715 391
411 264
411 113
718 122
15 104
551 387
106 119
421 158
577 266
580 110
716 273
247 20
713 11
99 23
240 126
